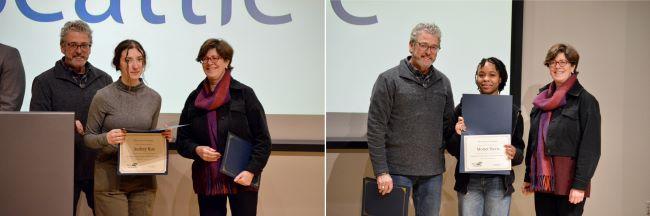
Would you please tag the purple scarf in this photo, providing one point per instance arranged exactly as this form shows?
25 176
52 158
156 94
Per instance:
541 172
207 178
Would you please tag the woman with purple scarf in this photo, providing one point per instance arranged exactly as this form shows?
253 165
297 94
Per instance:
564 140
221 105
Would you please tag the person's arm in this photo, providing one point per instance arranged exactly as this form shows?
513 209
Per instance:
453 142
260 133
154 118
12 82
589 146
94 138
517 140
381 103
448 118
529 149
41 96
185 143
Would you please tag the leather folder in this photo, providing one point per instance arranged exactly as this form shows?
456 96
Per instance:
396 203
236 157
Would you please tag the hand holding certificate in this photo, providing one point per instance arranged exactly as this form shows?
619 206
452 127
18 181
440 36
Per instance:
144 152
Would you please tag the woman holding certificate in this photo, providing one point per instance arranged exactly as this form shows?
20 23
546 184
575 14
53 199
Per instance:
126 104
487 194
218 108
564 139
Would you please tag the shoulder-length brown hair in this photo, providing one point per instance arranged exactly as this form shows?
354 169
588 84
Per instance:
222 47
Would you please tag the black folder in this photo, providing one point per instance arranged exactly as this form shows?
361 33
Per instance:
236 158
396 203
485 114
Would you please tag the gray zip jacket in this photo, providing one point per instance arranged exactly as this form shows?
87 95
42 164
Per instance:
408 119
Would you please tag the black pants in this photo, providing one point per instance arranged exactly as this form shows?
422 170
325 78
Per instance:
87 187
241 204
552 205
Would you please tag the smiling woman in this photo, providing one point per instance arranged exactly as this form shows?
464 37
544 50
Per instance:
487 193
126 104
218 107
564 138
130 59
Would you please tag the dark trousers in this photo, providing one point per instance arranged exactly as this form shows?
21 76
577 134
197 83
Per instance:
552 205
241 204
87 187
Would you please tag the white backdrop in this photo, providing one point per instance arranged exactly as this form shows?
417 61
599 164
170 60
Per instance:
357 54
283 63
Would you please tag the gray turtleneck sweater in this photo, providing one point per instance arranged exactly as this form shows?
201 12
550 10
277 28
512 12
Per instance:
113 107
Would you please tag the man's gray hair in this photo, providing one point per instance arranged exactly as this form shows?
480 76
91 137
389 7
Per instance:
430 28
76 26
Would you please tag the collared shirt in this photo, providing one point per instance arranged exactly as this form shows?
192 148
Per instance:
421 77
79 79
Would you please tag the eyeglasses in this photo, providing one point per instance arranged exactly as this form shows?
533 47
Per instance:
75 46
206 59
424 46
553 63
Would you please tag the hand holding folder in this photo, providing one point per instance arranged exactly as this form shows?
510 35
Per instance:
395 203
236 158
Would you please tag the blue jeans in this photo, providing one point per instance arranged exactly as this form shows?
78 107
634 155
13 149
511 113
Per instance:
486 195
426 192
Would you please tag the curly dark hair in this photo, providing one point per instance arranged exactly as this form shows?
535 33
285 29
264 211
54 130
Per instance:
501 68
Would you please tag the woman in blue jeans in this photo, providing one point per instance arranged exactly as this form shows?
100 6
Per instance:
487 194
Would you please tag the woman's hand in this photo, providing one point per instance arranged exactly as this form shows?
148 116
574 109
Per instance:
576 196
460 125
510 151
167 134
115 136
526 190
207 154
244 178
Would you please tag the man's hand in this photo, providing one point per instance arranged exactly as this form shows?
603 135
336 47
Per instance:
79 127
384 184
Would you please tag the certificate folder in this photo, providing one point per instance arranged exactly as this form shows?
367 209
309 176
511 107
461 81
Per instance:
236 158
485 115
396 203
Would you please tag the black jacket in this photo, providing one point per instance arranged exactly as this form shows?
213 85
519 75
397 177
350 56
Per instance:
243 115
453 147
55 90
574 131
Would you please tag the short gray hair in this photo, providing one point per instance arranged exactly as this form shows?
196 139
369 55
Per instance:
76 26
430 28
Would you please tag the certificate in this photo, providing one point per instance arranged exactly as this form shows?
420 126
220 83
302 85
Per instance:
143 154
485 153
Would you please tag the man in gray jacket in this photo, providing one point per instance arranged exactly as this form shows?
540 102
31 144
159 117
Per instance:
12 79
411 112
70 86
